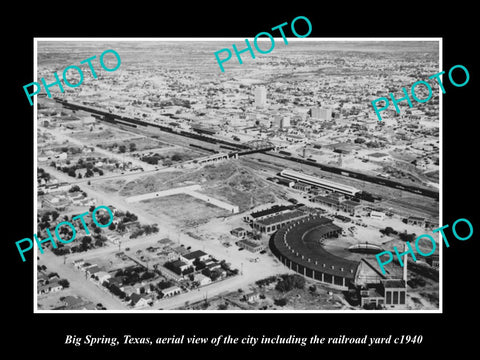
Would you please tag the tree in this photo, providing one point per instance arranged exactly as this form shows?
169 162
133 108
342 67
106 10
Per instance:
122 149
54 215
111 226
223 306
289 282
121 227
74 188
71 172
176 157
64 282
214 275
132 147
86 240
280 302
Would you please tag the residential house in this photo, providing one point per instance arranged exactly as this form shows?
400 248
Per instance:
137 300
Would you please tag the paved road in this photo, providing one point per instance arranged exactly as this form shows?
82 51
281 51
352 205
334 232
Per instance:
238 259
86 288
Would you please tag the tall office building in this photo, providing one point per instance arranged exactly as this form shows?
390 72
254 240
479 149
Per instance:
321 113
280 122
260 96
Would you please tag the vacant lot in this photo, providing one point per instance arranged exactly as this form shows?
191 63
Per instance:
184 210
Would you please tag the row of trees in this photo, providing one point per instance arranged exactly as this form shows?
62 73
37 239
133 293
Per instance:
42 174
144 229
403 236
134 275
266 281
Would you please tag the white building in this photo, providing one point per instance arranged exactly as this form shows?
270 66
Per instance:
260 96
202 279
377 215
171 291
321 113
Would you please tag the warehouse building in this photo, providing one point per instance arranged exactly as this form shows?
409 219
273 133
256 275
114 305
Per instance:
271 224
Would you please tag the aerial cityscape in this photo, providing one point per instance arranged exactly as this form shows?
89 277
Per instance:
268 187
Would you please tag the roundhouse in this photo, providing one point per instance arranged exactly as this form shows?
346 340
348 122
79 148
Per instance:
298 246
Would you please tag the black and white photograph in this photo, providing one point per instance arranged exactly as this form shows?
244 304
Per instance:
270 186
200 180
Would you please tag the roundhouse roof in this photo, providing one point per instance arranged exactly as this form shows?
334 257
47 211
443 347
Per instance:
301 239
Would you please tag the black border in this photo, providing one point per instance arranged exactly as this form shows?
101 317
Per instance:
46 332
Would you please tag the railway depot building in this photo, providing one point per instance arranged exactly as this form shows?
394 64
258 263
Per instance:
298 246
337 202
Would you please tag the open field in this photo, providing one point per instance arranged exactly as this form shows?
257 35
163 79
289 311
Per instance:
141 143
228 181
182 209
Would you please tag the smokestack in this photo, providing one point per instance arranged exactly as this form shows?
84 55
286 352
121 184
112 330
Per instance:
405 262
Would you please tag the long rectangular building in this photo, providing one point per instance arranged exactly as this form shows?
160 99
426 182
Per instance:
315 181
271 224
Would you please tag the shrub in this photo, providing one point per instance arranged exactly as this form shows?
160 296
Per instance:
280 302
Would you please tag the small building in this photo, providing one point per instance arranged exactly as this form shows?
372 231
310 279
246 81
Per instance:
51 287
202 279
102 276
377 215
251 297
212 265
171 291
390 293
251 246
285 182
137 300
371 295
78 263
178 266
93 270
395 293
239 232
415 220
195 255
302 187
